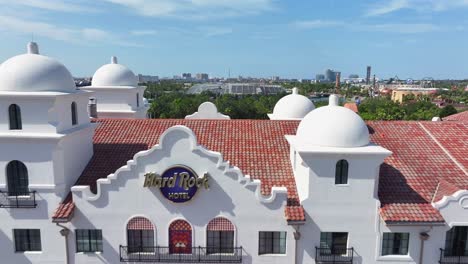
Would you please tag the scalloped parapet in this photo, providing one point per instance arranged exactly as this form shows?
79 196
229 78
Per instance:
180 144
207 110
460 196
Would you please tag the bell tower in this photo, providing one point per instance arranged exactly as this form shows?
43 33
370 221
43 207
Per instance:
45 130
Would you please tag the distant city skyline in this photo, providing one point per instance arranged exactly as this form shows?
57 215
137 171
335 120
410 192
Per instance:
257 38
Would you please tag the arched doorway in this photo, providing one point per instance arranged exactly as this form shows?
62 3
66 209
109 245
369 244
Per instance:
180 237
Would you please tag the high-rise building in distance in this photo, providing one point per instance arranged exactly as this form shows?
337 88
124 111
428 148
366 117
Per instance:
368 74
320 77
202 76
330 75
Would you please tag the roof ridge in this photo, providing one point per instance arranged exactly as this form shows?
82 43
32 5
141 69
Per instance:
435 192
459 165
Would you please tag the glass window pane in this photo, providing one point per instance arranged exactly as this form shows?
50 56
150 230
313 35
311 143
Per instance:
395 243
272 242
88 240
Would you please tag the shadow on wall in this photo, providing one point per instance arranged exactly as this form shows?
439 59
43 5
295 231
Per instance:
310 239
222 204
109 254
37 213
394 188
7 248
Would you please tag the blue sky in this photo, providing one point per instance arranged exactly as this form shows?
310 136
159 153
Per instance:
287 38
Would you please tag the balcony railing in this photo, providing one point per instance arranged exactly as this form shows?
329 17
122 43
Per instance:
18 200
446 258
334 255
197 255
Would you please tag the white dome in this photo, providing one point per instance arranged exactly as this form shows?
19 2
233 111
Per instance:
333 126
32 72
293 106
114 74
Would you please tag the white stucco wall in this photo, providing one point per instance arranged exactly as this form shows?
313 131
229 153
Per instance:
54 153
44 113
119 102
121 196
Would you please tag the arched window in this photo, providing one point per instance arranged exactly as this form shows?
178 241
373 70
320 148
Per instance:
341 173
220 236
138 99
17 178
180 237
74 114
14 112
140 235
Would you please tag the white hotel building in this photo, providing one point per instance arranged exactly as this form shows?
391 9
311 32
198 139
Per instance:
308 186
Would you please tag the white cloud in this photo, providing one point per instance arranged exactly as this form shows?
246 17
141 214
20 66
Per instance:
196 9
86 36
311 24
144 32
390 6
403 28
51 5
399 28
215 31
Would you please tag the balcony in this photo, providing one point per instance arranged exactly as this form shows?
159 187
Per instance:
18 200
446 258
198 255
334 255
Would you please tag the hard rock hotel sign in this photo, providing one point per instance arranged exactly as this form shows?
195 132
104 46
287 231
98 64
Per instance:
178 183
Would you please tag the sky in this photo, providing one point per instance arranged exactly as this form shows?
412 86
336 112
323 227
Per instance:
258 38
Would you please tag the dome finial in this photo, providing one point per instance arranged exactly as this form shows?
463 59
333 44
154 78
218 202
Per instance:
33 48
295 90
333 100
114 60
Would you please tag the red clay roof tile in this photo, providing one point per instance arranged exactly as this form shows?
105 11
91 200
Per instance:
463 117
408 178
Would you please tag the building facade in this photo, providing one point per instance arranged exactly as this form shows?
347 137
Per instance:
322 187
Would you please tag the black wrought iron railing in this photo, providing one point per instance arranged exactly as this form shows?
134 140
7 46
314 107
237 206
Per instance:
18 200
334 255
453 257
185 255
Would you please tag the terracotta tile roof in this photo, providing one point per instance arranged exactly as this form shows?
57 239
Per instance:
352 106
408 179
257 147
463 117
65 210
444 188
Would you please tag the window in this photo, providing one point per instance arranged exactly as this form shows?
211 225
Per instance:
74 113
138 99
456 242
334 243
395 244
272 243
220 236
341 172
88 240
27 240
17 178
140 235
14 113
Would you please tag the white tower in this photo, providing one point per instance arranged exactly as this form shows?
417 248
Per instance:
117 92
46 142
336 170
